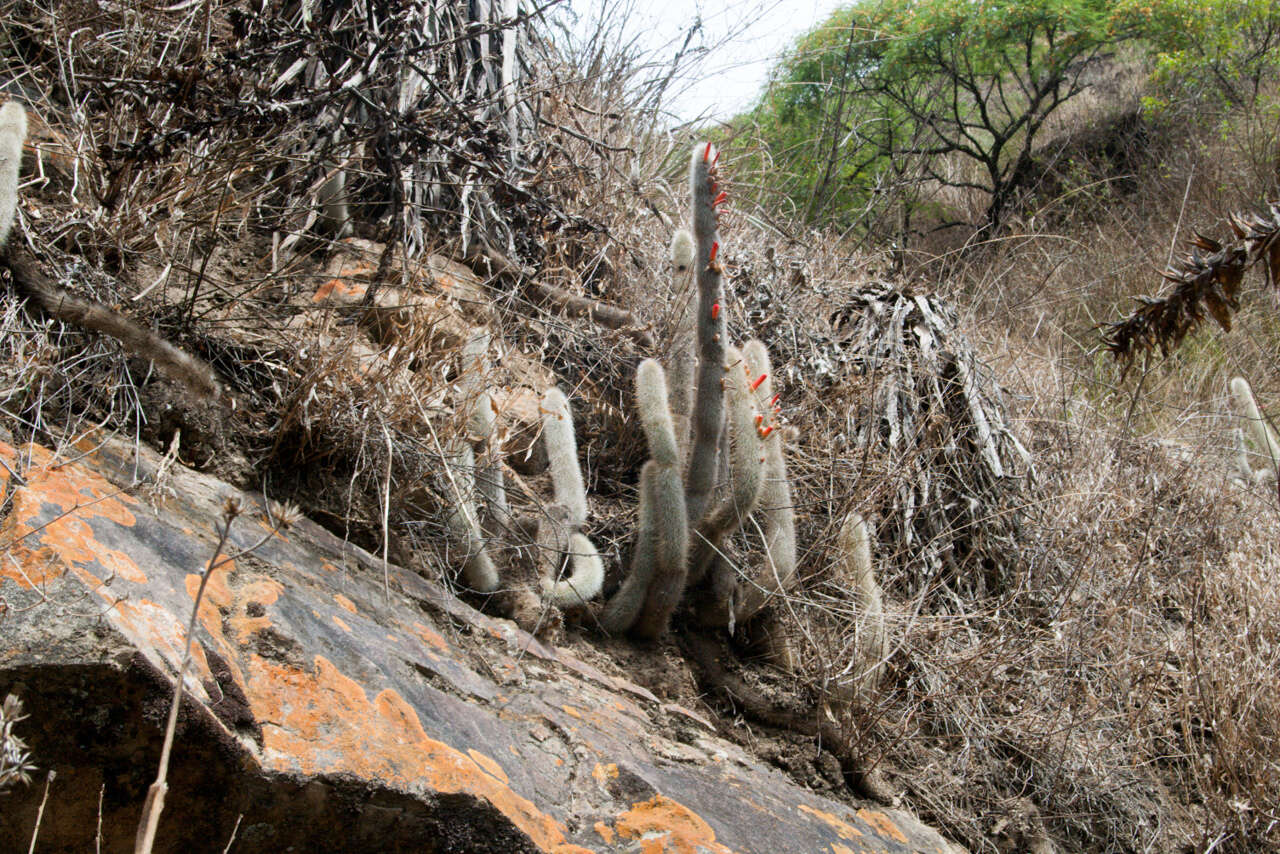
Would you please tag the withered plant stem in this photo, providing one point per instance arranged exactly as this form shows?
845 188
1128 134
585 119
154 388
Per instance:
154 804
44 799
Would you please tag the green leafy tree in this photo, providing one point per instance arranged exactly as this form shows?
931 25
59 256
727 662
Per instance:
1206 48
894 92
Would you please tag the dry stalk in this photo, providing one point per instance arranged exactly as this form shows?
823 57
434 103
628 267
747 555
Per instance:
44 799
154 804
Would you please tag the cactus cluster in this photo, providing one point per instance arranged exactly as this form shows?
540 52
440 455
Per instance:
556 534
715 457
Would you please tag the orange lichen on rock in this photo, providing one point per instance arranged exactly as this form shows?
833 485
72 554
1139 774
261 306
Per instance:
430 636
489 765
29 568
217 598
605 831
151 626
344 287
344 602
843 828
883 824
323 723
664 826
601 773
261 592
79 496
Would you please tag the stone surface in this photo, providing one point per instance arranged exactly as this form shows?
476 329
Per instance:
332 707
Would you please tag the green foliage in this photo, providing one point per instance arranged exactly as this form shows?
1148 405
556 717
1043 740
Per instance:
1227 50
889 94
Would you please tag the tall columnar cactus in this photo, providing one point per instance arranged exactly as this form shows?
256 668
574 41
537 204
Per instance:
727 446
682 251
562 455
585 578
477 405
708 411
560 528
746 472
1264 437
13 133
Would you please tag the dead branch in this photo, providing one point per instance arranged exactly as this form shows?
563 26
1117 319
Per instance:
1202 284
198 377
573 305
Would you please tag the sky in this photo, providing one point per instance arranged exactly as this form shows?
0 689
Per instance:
743 38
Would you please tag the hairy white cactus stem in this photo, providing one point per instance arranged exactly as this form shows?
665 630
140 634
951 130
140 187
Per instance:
871 636
13 133
562 454
1264 437
586 575
478 570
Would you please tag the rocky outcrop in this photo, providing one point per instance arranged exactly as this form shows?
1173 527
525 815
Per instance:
335 703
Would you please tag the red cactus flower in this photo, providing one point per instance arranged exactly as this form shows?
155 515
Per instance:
755 385
715 307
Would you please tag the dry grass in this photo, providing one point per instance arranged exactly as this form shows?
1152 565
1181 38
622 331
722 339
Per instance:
1128 690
